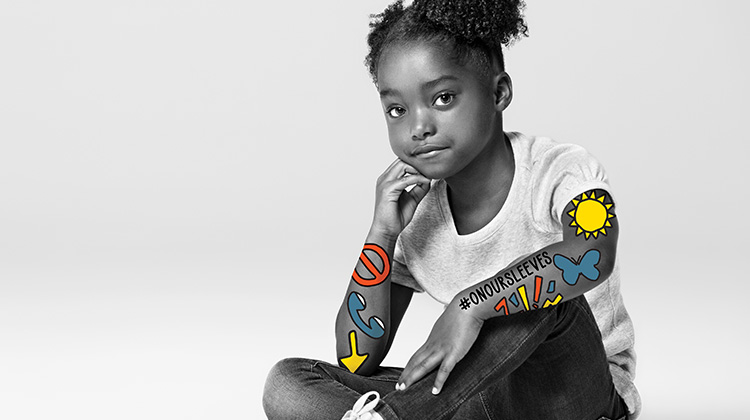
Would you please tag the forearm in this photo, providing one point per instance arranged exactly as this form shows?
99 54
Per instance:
554 274
363 324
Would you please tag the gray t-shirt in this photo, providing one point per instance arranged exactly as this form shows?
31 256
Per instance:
431 256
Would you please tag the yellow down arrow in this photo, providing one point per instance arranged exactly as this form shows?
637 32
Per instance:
355 360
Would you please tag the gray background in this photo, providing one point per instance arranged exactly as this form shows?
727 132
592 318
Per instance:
185 187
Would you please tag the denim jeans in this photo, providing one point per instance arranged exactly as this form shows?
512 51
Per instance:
543 364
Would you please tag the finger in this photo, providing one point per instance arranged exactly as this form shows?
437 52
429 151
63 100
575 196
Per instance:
442 375
414 360
388 172
402 183
394 163
408 169
419 192
420 369
400 169
397 169
395 188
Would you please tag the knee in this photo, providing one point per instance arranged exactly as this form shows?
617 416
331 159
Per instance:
284 386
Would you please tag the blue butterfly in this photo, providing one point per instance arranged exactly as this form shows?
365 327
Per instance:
586 265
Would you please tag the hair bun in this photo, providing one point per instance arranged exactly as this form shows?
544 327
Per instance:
495 23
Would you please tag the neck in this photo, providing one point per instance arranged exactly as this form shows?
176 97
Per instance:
486 181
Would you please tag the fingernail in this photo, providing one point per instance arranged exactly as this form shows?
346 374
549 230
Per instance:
403 386
397 387
435 391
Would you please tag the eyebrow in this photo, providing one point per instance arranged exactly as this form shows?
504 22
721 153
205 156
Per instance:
425 86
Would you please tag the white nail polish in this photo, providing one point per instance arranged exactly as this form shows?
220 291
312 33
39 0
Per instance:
434 390
397 389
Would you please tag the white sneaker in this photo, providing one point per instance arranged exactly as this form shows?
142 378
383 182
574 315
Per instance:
362 411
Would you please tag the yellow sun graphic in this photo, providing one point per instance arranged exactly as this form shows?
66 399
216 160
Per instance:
590 215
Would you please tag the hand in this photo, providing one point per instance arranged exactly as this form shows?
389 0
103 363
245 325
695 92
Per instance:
450 339
394 206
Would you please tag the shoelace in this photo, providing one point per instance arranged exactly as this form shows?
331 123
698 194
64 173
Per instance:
362 406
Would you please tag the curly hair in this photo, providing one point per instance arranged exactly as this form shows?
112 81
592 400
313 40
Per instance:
475 30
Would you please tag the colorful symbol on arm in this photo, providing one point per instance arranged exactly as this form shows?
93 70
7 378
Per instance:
354 360
379 276
548 302
537 290
503 304
524 298
573 269
527 305
591 214
356 303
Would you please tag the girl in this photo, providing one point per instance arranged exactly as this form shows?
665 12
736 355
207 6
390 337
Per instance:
509 231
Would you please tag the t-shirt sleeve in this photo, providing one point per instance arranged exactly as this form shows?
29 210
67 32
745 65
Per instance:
563 172
400 273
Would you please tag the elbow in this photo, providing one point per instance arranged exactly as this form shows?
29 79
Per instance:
355 359
606 265
609 255
365 369
353 351
606 270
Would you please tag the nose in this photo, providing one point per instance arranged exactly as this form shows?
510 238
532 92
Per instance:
422 125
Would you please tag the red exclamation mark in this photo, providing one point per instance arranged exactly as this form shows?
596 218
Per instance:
537 290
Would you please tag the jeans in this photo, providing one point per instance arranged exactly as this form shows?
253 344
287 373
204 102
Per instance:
542 364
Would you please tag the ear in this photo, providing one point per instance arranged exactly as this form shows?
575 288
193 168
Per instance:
503 90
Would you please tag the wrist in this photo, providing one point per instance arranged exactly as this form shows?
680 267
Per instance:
468 309
382 235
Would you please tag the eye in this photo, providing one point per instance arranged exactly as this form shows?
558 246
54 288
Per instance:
395 112
444 99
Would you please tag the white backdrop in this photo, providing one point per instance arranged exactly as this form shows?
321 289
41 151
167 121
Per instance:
185 187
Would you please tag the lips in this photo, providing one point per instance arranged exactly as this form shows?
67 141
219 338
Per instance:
427 148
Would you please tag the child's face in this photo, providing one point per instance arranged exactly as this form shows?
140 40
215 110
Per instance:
441 115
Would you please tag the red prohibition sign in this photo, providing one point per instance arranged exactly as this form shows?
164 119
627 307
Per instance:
379 276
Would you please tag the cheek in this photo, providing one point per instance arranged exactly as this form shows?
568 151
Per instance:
394 139
479 122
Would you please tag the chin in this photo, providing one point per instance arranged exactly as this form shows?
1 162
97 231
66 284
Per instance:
434 171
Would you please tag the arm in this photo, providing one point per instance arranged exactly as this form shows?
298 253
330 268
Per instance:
371 311
373 306
556 273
